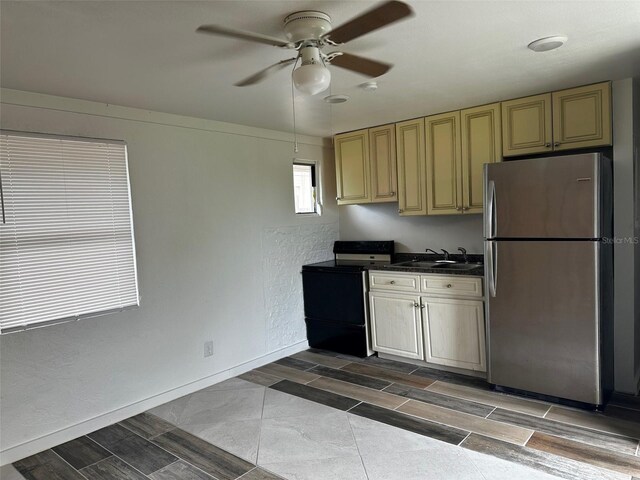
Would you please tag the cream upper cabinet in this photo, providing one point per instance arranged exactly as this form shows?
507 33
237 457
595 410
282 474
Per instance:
582 117
526 125
458 144
454 332
481 143
352 167
382 149
411 167
442 134
564 120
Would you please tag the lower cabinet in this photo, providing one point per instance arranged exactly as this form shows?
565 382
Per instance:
396 325
446 328
454 332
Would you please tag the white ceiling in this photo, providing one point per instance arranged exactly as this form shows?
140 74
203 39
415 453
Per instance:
451 54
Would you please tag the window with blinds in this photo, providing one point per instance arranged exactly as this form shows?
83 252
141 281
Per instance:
66 238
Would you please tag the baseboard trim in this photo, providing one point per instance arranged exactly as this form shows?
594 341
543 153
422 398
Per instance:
30 447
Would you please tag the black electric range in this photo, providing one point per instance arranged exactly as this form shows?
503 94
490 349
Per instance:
335 296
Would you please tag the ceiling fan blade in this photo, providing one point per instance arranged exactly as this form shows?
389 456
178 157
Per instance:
378 17
262 74
368 67
243 35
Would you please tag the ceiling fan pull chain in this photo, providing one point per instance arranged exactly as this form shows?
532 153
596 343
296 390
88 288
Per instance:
293 104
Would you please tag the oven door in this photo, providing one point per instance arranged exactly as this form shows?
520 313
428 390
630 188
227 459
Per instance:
335 296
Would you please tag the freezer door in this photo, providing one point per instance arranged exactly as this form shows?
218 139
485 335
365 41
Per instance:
543 317
555 197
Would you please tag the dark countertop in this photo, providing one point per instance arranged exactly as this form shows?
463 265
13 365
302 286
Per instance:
421 257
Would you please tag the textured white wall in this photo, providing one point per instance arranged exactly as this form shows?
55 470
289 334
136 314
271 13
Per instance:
412 234
219 253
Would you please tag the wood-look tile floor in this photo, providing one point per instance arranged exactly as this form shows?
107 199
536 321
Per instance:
319 415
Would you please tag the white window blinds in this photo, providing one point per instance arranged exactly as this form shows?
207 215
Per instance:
66 240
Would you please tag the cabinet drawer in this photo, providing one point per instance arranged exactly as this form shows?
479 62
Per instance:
395 282
452 285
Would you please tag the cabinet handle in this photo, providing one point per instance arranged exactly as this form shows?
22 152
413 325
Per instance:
556 144
449 285
422 306
464 209
416 305
458 209
392 282
547 145
392 193
400 210
338 198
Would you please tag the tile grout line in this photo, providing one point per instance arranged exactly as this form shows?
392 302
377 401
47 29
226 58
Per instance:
532 433
465 452
150 440
402 404
355 441
166 466
71 466
429 386
548 410
494 409
264 399
462 441
245 473
460 397
111 454
349 409
118 457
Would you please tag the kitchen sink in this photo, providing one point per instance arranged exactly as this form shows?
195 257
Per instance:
438 265
417 264
456 266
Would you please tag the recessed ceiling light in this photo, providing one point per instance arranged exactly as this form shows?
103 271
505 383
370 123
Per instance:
547 43
336 98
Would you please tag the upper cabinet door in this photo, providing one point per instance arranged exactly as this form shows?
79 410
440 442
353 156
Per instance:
383 164
444 194
352 167
526 125
481 143
411 167
582 117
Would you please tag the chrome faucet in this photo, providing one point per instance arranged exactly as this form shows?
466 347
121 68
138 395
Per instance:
464 254
446 254
432 251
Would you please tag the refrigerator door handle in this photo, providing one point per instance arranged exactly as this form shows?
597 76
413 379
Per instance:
490 268
494 266
491 210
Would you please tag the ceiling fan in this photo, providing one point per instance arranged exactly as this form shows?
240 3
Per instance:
309 32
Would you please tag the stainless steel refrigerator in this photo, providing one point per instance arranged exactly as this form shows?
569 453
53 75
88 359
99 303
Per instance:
549 276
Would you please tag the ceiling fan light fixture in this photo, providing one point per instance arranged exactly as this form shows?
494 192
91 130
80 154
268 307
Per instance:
312 77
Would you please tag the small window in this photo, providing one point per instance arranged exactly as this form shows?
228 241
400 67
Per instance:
304 187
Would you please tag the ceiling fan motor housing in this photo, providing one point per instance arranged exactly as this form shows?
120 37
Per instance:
306 25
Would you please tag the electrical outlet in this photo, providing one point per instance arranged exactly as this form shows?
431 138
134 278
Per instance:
208 348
